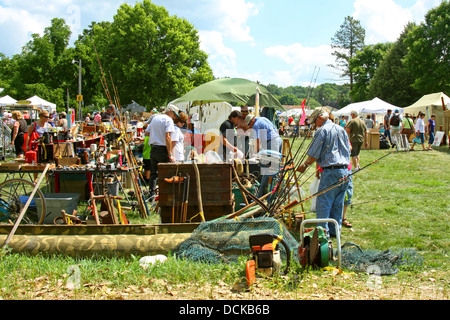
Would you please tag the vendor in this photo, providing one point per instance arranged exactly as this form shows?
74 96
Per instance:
39 127
267 138
18 133
108 114
229 134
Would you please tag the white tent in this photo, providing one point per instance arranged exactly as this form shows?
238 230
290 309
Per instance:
41 103
7 100
374 106
295 113
348 109
378 106
209 117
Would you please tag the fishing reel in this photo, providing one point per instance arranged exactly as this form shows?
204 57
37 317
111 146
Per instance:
266 258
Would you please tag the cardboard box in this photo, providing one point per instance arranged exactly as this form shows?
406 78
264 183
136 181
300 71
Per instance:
374 140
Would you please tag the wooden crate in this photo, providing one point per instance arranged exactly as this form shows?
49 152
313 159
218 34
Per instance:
216 189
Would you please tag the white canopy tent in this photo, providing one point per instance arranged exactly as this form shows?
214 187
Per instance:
374 106
378 106
208 117
7 100
295 113
41 103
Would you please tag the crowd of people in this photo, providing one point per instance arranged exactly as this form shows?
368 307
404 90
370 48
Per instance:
416 130
165 141
335 147
22 133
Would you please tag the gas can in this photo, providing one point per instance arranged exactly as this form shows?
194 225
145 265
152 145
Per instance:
31 156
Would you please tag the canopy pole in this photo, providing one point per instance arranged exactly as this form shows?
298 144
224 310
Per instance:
258 92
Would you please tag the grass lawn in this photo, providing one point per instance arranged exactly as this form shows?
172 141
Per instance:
402 201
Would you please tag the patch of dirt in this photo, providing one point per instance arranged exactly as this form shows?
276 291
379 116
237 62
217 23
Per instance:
327 286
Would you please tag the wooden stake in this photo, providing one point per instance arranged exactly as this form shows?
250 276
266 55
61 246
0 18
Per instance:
199 192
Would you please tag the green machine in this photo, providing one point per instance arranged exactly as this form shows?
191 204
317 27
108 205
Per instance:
315 248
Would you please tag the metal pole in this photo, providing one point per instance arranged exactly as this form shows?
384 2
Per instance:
79 89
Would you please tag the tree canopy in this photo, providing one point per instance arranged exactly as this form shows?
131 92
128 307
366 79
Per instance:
416 64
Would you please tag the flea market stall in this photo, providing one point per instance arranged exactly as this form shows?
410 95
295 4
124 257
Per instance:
92 183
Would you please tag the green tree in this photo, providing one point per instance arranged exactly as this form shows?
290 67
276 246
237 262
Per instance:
364 66
37 71
392 82
289 100
346 43
152 57
333 95
428 57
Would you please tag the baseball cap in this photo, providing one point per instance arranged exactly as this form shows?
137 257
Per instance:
173 108
316 113
249 118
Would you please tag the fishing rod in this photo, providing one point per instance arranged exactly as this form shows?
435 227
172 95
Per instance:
282 197
141 201
275 201
286 188
338 183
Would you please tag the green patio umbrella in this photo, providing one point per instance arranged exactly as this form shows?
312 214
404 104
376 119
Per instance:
231 90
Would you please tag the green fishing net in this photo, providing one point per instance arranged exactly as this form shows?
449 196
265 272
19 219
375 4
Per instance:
223 241
378 262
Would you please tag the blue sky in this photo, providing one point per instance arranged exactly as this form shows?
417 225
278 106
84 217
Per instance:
272 41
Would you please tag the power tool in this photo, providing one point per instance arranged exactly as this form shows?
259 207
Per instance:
266 258
315 248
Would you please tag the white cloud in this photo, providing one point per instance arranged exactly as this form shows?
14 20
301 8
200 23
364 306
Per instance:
21 18
212 43
232 18
14 32
302 62
385 20
221 57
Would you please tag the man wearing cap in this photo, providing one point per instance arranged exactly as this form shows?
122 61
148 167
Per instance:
331 149
159 131
267 138
108 114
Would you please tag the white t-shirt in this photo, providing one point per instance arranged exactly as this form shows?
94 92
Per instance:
178 151
157 129
420 125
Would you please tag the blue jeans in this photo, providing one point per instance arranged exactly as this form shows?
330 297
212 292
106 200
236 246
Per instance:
330 205
387 134
431 139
